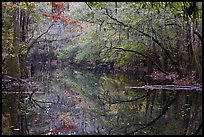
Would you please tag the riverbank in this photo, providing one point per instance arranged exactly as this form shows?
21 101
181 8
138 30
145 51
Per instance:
160 77
139 71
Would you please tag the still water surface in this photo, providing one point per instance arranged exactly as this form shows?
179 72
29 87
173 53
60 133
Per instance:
78 102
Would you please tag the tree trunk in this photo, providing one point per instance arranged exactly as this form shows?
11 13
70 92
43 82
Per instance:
23 38
12 64
164 61
149 63
195 48
189 50
13 69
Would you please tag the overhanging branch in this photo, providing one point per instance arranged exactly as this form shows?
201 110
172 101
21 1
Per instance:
134 51
88 5
147 35
34 41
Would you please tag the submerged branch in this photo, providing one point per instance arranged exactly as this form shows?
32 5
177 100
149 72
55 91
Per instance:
122 101
166 107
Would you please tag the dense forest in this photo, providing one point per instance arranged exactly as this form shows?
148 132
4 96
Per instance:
161 39
163 36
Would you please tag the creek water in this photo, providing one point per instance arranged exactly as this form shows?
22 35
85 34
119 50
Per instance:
73 101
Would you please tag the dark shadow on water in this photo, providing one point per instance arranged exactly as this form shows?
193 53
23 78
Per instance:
80 102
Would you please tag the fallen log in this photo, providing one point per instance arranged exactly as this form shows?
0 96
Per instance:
24 92
168 87
16 85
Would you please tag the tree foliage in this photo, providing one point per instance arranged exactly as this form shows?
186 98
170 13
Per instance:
157 31
153 34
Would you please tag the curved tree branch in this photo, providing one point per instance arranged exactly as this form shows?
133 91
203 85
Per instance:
122 101
147 35
199 36
34 41
143 56
166 107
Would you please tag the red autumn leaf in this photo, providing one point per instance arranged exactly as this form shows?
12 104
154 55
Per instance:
59 8
64 128
59 5
56 17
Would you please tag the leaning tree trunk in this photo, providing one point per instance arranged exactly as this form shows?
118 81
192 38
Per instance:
189 56
195 48
149 63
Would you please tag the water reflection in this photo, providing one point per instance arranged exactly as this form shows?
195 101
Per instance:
80 102
14 114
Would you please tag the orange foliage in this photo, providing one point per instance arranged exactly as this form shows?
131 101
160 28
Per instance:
56 17
59 5
58 10
52 16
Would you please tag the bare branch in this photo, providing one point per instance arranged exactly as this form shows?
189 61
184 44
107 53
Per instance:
122 101
34 41
174 24
47 40
88 5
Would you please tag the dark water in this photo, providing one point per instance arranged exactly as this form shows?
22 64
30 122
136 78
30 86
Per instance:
80 102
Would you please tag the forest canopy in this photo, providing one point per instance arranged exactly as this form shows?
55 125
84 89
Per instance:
163 36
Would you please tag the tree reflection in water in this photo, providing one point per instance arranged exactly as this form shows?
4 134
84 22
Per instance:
80 102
